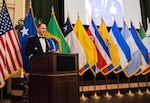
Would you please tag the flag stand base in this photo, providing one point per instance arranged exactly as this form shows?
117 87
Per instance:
4 101
83 97
95 96
107 95
130 93
147 91
139 92
119 94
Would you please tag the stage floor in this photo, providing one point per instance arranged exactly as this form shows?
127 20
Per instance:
145 98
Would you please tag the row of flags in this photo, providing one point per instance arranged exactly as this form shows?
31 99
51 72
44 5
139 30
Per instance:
98 49
104 51
125 50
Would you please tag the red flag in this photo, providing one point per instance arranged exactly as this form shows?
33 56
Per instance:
103 59
10 52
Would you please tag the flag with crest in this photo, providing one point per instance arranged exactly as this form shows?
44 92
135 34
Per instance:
102 50
113 50
87 44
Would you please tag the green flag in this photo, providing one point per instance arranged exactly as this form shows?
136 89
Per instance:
54 30
142 32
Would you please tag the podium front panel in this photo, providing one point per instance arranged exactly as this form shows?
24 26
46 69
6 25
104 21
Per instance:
54 89
54 63
41 63
54 78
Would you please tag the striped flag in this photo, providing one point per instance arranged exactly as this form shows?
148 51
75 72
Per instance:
146 43
144 38
102 50
143 49
113 50
123 48
87 44
10 52
148 35
74 44
135 52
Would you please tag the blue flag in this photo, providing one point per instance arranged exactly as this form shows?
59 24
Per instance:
123 48
139 43
135 52
143 49
27 30
53 44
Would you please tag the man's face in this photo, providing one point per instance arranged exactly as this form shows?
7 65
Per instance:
41 29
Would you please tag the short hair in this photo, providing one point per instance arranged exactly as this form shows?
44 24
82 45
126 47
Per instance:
38 25
38 22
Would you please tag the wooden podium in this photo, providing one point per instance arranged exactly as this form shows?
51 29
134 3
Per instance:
54 78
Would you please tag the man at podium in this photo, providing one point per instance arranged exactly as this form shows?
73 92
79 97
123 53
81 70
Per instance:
38 44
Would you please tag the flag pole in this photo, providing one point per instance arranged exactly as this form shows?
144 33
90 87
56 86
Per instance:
118 94
107 95
147 22
82 96
95 94
129 93
139 91
147 90
1 98
52 9
30 3
25 96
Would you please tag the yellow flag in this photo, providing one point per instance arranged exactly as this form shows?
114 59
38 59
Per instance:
87 44
113 50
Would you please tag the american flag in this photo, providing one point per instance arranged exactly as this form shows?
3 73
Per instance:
10 50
